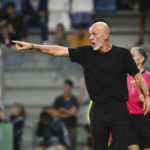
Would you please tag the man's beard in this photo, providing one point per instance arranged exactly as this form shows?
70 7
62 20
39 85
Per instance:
97 49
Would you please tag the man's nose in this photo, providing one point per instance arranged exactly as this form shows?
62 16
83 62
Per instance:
91 37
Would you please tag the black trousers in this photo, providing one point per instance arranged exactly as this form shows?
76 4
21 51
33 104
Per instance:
109 117
17 143
73 137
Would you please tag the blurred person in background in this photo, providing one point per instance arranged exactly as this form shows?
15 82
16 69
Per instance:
1 10
53 132
3 117
18 4
83 94
88 145
35 14
11 25
83 101
80 37
139 135
66 108
144 7
60 38
18 116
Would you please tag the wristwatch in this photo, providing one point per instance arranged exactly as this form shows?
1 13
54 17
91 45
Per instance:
32 46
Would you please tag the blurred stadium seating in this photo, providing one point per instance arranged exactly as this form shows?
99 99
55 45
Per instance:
56 17
62 6
78 6
105 6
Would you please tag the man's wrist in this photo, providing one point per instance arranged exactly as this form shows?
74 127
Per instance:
146 95
32 46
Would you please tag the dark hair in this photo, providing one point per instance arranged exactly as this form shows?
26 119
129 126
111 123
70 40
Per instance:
60 25
46 107
142 52
23 112
81 26
10 4
69 82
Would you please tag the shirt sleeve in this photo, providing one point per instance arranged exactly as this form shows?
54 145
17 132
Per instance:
77 54
130 64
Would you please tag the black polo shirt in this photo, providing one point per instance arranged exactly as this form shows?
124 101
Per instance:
105 73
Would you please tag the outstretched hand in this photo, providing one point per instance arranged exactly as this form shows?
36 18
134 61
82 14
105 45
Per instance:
22 45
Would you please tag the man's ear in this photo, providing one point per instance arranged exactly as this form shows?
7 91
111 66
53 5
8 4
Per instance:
106 36
142 60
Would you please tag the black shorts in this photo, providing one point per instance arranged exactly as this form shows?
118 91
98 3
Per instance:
140 130
144 5
106 118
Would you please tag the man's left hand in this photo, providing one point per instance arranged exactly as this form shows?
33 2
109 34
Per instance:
146 104
141 98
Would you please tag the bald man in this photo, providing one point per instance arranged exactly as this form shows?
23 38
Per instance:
105 68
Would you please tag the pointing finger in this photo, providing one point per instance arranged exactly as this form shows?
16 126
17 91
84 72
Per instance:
15 41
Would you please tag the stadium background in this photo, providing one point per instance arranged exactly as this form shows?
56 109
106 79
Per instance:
35 79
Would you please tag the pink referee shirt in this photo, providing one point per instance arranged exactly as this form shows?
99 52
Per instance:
133 104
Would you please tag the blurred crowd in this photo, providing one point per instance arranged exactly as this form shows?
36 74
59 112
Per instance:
17 17
17 118
57 125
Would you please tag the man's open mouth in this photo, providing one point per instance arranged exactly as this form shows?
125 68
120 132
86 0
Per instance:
93 44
